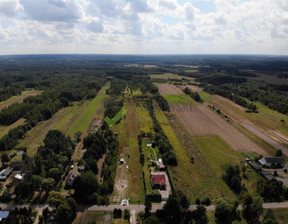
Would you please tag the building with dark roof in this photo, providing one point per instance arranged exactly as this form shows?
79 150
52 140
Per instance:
272 162
70 178
158 181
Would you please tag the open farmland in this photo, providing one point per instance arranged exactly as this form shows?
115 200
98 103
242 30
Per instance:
128 182
201 121
195 179
169 76
169 89
18 99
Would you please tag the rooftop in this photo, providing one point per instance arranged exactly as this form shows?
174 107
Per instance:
158 179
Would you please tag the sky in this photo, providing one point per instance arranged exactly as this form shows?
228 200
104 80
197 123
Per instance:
144 27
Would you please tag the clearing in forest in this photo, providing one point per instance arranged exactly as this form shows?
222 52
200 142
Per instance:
18 99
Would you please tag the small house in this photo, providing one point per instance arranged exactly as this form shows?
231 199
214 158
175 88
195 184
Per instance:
158 181
70 178
272 162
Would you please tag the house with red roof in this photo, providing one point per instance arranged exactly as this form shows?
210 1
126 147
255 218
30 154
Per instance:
158 181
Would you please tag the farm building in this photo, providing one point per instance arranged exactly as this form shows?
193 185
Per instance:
158 181
17 165
272 162
5 173
70 178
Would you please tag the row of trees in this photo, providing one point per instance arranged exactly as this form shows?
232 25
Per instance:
194 95
164 146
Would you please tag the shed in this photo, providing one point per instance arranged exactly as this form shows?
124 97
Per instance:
122 161
158 181
17 165
70 178
149 144
272 162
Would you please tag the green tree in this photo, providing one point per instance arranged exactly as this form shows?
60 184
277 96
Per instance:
36 181
151 220
87 181
5 158
148 207
47 184
172 210
252 208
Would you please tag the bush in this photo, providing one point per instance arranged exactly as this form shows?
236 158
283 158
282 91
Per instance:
117 213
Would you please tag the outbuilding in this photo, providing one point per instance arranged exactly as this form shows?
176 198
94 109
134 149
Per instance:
272 162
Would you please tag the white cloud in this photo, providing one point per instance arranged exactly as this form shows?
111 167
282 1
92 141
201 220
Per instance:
52 10
143 26
9 7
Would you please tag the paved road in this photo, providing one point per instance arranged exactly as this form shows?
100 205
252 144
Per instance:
136 208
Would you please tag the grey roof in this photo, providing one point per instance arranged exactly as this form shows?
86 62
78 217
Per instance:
4 214
273 160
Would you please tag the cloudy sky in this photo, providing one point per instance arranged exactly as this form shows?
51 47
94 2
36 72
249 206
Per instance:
144 26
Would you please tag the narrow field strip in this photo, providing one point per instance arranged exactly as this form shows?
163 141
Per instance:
18 99
85 118
5 129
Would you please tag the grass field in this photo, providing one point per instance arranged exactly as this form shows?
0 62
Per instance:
34 138
169 76
201 178
281 215
66 120
5 129
18 99
85 118
144 119
128 130
180 99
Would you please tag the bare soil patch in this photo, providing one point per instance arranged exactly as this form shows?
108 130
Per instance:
201 121
169 89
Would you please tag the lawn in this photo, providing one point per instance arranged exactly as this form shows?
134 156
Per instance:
281 215
182 99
